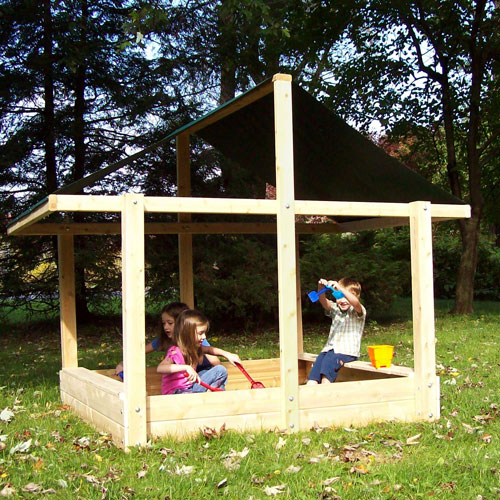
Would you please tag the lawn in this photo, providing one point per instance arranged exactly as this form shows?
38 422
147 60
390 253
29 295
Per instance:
46 452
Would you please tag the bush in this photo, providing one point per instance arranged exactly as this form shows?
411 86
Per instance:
358 256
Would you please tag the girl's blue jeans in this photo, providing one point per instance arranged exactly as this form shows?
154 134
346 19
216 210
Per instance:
328 364
215 377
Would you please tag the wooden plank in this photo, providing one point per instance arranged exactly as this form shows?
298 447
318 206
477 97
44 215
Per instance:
133 292
209 205
353 393
102 228
183 429
213 404
287 276
300 332
401 371
85 203
185 240
447 212
67 305
351 208
96 419
423 310
94 392
83 375
358 415
30 218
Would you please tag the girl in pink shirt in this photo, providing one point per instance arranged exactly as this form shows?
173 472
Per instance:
179 366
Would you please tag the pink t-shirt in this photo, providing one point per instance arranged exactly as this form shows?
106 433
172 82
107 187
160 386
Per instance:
173 381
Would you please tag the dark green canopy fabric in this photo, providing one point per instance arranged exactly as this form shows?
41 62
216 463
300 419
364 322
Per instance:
332 160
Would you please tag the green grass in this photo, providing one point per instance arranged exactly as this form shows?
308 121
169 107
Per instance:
457 457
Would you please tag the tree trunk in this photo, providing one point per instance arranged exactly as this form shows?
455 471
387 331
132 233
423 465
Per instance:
82 310
48 112
464 295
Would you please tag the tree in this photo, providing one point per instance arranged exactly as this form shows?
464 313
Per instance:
75 95
430 65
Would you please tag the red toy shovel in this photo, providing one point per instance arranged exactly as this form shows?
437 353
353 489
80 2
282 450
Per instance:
255 385
206 386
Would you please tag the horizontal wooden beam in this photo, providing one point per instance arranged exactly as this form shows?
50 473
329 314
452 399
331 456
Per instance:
103 228
86 203
30 218
192 205
379 215
374 209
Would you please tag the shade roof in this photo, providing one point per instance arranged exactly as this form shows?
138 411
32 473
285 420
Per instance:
332 161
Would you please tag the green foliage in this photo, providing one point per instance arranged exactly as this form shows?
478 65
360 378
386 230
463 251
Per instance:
236 279
359 257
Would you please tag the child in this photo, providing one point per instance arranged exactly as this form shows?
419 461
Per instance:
348 320
168 316
186 353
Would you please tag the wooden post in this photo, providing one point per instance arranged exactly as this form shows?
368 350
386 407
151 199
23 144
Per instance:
287 278
185 240
300 333
426 382
134 359
67 305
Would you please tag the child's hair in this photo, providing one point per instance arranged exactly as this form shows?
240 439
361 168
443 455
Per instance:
352 285
185 334
172 309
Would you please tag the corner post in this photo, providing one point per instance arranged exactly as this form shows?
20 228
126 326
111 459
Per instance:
287 276
186 279
67 305
133 305
426 381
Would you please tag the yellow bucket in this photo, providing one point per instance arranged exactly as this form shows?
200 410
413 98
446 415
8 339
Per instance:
381 355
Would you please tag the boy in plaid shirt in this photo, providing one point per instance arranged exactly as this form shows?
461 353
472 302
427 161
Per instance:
348 320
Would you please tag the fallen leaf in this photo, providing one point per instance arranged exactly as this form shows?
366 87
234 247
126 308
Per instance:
272 491
32 488
293 468
6 415
330 480
413 439
184 470
166 451
359 469
222 483
281 442
7 491
306 441
21 447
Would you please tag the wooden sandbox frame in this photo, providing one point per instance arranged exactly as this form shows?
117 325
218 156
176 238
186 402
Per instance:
132 411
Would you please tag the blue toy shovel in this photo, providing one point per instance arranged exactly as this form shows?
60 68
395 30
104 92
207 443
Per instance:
314 296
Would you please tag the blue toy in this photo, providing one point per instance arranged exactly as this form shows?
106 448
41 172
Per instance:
314 296
121 375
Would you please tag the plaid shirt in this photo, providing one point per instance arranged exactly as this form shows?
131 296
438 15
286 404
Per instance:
346 330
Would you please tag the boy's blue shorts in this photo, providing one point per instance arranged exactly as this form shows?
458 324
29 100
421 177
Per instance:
328 364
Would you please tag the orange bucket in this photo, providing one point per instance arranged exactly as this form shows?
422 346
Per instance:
381 355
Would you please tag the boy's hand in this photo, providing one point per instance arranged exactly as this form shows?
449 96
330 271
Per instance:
119 368
334 284
322 283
